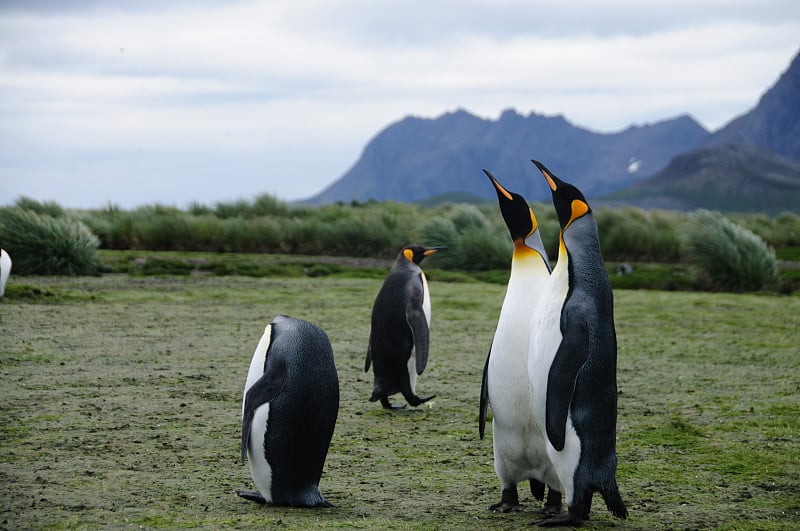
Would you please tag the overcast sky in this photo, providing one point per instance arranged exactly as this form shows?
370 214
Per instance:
174 101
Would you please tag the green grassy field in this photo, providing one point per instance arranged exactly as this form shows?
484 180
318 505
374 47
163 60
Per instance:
121 397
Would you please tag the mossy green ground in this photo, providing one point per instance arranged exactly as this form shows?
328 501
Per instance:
121 396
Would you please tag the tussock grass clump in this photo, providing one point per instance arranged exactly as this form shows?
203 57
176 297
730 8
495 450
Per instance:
634 234
473 242
41 244
727 256
778 231
50 208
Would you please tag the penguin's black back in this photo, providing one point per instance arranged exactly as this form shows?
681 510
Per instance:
594 403
302 417
391 339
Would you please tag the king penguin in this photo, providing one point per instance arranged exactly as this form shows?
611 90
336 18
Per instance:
519 450
289 409
398 340
572 361
5 270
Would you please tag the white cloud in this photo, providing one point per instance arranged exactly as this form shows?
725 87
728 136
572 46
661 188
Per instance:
274 83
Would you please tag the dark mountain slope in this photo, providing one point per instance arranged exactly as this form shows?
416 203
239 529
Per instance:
418 158
774 123
725 177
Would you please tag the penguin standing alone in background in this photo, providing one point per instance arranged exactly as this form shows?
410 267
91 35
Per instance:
398 340
5 270
289 409
573 360
519 449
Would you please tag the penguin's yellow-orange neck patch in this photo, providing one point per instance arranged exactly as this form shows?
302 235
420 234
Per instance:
533 222
562 247
523 253
409 254
578 208
520 248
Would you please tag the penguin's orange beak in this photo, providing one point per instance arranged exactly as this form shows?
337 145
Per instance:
547 175
550 180
430 250
497 186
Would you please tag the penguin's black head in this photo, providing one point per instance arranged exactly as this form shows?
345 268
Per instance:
568 200
415 253
517 214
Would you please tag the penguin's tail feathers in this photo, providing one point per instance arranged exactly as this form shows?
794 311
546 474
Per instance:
377 393
614 503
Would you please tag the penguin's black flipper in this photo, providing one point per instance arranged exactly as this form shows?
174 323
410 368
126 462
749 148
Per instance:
484 396
415 317
369 355
264 390
569 358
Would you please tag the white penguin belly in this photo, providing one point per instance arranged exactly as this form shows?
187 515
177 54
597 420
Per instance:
519 449
412 360
412 370
545 339
260 469
256 370
426 299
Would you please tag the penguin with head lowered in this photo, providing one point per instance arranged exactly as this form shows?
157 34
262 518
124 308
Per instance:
572 362
398 340
519 448
289 409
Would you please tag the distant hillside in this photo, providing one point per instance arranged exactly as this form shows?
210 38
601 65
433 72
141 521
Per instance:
774 123
417 158
726 177
751 164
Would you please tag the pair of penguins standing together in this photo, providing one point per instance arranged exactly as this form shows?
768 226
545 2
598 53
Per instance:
550 376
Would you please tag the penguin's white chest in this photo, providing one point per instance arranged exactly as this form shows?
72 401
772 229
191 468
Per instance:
411 366
518 445
260 469
508 360
545 340
426 299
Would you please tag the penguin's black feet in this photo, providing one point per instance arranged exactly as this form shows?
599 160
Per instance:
388 405
503 507
416 401
509 501
566 519
251 495
552 506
